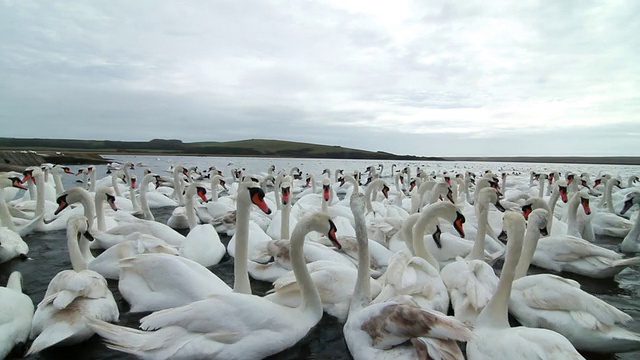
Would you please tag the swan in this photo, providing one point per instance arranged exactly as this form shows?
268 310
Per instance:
93 208
471 281
383 330
19 227
150 282
609 223
72 297
631 242
16 312
558 304
247 326
493 338
567 253
183 217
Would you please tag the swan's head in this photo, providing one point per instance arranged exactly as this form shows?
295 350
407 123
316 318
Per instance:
531 204
286 192
90 169
630 199
584 201
385 191
15 182
107 194
561 187
134 181
322 223
513 225
79 224
326 189
489 195
537 221
29 175
616 183
256 195
81 171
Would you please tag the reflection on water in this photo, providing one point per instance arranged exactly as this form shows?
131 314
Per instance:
325 341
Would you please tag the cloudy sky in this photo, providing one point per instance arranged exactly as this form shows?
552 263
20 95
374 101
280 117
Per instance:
408 77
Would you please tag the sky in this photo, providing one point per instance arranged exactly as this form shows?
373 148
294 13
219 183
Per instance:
429 78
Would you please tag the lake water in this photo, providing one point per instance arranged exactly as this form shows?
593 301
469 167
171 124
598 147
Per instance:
49 252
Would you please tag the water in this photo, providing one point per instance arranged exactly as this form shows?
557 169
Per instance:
49 252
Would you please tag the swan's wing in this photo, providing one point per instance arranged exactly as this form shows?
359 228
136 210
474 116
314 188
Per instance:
69 285
473 280
390 324
227 313
570 248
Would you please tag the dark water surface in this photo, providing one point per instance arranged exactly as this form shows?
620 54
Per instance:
49 253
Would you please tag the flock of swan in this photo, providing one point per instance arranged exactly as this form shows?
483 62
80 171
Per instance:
427 266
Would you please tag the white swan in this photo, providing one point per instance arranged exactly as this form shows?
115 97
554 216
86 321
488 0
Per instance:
493 338
471 282
382 331
16 312
555 303
150 282
72 297
609 223
246 326
631 242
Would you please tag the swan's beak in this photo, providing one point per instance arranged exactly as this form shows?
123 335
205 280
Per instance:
503 236
627 205
447 180
596 183
618 185
544 231
499 206
585 206
584 183
436 237
285 195
325 192
224 185
257 197
202 193
17 184
133 183
332 235
111 200
457 224
563 193
385 191
341 181
526 210
412 185
62 204
67 170
88 235
27 176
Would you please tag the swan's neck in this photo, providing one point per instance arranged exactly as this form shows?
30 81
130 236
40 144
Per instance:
284 222
572 214
541 183
477 252
40 194
240 273
553 200
418 233
495 313
132 196
276 191
15 281
114 185
325 205
92 186
310 298
607 196
77 260
362 289
313 184
144 204
189 208
94 208
85 180
5 215
57 180
630 241
407 231
529 248
214 188
85 250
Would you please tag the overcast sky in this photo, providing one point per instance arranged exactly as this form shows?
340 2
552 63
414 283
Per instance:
408 77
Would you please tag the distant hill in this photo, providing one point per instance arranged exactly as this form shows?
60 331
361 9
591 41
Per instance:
266 148
252 147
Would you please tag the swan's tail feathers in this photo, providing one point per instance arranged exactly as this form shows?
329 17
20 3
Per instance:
624 340
160 344
626 262
51 336
436 349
